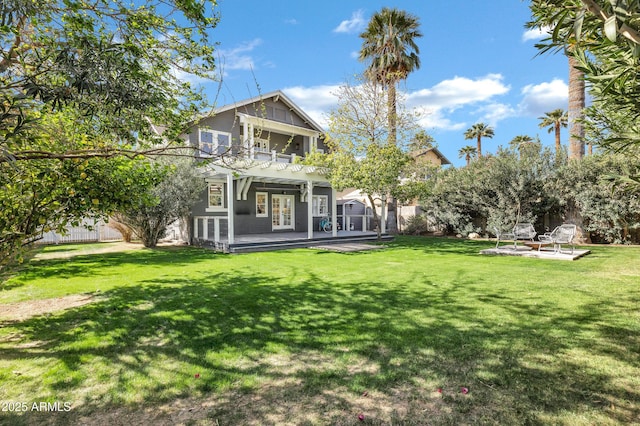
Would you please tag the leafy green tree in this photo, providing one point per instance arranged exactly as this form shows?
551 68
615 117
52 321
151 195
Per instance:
467 152
37 196
610 212
554 121
169 200
477 132
421 141
83 85
495 191
114 62
360 156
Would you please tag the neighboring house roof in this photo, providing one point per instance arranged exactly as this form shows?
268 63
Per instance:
277 95
434 151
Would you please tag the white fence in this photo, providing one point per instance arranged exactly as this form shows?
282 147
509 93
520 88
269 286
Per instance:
89 231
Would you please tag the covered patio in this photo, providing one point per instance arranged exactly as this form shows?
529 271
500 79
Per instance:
286 240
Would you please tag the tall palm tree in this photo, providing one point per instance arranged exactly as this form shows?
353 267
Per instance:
467 152
525 145
477 132
576 106
553 121
389 45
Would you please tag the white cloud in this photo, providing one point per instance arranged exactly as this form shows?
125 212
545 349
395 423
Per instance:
435 105
495 112
238 58
353 25
316 101
291 21
459 91
536 33
544 97
449 95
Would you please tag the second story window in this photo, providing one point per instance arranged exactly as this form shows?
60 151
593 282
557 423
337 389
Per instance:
213 142
261 145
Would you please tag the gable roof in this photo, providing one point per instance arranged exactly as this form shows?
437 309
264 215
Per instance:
277 95
422 152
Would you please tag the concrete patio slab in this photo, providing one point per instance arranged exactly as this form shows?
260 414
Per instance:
348 247
529 252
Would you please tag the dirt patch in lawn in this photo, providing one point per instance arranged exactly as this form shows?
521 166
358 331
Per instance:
78 250
21 311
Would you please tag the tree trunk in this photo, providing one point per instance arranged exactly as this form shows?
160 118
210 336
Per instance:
573 215
576 107
558 145
391 113
479 146
376 218
392 204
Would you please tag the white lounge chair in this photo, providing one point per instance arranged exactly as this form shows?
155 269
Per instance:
563 234
521 231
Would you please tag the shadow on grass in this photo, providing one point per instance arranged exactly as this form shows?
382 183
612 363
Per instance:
305 338
100 263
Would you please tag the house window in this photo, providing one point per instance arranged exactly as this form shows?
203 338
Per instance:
216 197
213 142
262 203
261 145
320 205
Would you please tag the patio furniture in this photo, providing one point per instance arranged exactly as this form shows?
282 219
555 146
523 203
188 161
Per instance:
502 235
521 231
563 234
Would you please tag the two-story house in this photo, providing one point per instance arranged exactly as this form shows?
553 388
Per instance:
259 195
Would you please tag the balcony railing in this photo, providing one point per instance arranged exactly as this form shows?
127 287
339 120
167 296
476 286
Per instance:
274 156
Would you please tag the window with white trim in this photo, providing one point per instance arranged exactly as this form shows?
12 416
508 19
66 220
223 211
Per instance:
320 205
262 204
213 142
261 145
216 196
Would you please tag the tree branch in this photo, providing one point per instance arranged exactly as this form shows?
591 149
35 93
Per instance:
7 157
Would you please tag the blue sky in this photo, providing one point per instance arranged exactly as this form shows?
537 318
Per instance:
478 63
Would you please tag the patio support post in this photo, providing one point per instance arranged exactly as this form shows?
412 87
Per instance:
230 224
309 209
252 145
334 212
245 143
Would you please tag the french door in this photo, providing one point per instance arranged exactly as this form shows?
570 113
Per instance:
282 211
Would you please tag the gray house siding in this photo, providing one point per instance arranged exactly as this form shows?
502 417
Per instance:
245 219
226 121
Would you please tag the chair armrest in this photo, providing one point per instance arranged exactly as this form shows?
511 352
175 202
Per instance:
545 238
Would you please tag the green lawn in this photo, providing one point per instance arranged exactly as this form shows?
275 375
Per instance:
186 336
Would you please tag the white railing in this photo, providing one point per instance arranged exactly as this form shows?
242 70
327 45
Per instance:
274 156
205 227
355 222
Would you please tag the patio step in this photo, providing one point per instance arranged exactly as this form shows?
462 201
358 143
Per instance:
301 243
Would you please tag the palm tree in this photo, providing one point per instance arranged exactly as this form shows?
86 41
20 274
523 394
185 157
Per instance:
553 121
467 152
389 44
525 144
477 132
576 107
